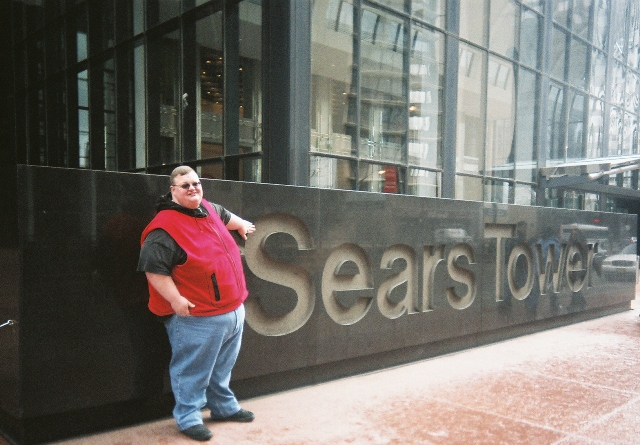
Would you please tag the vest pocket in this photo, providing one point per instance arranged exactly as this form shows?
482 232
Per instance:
216 290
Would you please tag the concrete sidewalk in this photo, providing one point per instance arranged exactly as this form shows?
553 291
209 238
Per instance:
574 385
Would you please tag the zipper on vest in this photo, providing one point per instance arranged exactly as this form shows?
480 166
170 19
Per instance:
233 263
216 291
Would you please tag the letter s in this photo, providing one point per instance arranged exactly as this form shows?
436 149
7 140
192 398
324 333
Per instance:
285 274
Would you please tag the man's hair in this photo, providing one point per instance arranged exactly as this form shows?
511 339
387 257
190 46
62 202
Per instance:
179 171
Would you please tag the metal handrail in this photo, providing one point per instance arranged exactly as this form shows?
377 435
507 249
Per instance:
8 323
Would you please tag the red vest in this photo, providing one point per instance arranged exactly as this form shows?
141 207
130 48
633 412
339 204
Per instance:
212 277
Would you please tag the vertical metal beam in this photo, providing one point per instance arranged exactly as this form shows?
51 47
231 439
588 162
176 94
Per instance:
450 99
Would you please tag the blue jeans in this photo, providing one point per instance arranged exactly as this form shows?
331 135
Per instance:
203 352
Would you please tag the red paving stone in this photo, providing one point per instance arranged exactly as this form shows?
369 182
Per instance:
574 385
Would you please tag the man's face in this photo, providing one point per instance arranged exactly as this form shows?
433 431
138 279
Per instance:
187 190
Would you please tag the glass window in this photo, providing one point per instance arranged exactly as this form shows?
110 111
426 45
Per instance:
524 195
473 19
333 173
580 17
139 107
501 107
159 11
164 100
502 32
595 138
396 4
633 51
497 191
575 139
425 98
558 53
107 23
379 178
555 125
560 9
630 134
249 83
525 154
471 117
617 83
529 35
600 31
469 188
56 133
578 64
422 182
81 32
632 88
109 100
538 5
598 73
616 117
430 11
384 110
211 85
333 107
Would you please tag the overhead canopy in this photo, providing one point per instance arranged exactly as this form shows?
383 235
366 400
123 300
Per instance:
583 175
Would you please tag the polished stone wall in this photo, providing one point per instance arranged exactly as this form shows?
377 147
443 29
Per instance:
340 282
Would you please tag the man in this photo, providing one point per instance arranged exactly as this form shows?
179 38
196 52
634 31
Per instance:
197 287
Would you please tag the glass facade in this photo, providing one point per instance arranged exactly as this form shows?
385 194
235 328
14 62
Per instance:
404 96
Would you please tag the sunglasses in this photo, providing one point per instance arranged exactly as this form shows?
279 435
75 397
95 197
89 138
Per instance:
188 185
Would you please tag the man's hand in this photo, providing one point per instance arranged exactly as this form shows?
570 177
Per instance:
182 306
167 288
246 228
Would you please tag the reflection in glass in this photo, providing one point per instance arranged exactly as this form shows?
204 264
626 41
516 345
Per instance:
81 33
632 90
600 31
629 134
425 98
578 64
529 35
617 83
422 182
502 32
633 51
471 118
473 19
525 195
383 118
598 73
555 124
525 153
577 117
163 102
430 11
595 138
83 120
560 9
580 17
209 57
139 87
558 52
497 191
501 105
378 178
469 188
250 86
108 82
616 116
332 173
332 104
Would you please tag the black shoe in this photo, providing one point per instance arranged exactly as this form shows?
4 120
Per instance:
198 432
241 416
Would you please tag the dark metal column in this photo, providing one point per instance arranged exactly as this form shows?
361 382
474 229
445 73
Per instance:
286 87
450 101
